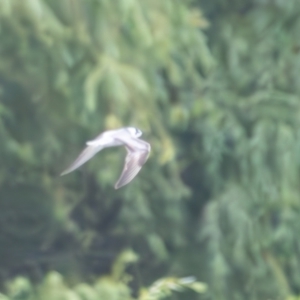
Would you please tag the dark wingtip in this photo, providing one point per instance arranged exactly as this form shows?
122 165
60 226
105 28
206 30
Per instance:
117 186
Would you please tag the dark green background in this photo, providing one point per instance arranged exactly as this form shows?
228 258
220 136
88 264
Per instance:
213 85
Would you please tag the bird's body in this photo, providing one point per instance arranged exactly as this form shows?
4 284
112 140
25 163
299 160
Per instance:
137 151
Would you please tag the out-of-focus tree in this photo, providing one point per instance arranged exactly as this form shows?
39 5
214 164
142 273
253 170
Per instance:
249 141
219 196
69 70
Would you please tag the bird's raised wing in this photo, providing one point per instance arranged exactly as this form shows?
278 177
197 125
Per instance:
137 154
83 157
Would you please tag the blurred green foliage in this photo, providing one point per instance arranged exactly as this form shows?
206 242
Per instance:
218 99
110 287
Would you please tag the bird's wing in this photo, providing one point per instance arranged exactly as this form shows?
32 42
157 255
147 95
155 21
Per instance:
137 154
83 157
133 164
107 138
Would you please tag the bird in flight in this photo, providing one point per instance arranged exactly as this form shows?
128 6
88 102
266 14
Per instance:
137 151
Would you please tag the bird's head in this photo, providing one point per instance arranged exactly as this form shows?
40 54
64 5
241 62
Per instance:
134 132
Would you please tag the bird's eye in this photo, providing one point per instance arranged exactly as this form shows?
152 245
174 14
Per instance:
137 131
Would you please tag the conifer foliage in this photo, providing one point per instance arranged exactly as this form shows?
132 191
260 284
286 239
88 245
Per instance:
214 86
